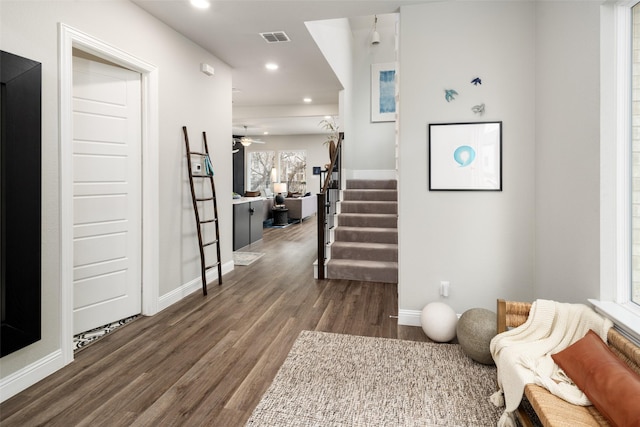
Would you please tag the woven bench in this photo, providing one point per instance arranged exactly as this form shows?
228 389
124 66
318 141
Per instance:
551 410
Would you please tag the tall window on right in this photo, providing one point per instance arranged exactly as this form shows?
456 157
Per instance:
293 170
635 154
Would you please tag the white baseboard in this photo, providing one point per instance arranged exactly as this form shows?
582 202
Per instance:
409 317
194 285
315 269
412 317
24 378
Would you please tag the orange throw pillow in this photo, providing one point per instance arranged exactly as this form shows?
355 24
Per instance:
612 387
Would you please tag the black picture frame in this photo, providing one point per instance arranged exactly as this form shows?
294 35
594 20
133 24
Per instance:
20 212
465 156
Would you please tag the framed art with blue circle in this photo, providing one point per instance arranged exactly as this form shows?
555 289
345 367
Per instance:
465 156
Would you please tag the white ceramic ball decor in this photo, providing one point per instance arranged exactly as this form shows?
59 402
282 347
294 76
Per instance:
439 322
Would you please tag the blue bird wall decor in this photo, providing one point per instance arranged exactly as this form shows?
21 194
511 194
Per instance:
476 81
449 94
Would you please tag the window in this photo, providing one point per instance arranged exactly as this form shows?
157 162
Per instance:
291 167
620 167
261 163
293 170
635 155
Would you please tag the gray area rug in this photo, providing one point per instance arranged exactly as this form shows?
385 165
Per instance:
246 258
345 380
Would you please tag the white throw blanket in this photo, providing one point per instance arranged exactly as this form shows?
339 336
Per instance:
523 354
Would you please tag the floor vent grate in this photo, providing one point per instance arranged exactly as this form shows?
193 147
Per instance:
83 339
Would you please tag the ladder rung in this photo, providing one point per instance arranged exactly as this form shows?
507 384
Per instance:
195 153
209 243
208 221
209 267
202 176
204 200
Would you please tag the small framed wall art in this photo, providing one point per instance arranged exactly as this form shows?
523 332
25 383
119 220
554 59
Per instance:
383 92
465 156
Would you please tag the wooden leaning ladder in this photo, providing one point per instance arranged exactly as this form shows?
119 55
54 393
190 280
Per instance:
207 173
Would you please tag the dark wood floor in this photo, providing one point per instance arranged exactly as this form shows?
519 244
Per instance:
208 360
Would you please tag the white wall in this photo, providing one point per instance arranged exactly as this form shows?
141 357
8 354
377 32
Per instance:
187 97
335 41
374 142
317 153
368 146
539 238
567 150
482 242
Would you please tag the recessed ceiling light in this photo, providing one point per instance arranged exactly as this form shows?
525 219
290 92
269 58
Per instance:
271 66
265 133
327 117
307 100
200 4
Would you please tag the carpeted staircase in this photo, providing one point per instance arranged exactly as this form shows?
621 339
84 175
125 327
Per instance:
365 245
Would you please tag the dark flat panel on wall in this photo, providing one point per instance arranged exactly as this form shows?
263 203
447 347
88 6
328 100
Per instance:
238 169
20 171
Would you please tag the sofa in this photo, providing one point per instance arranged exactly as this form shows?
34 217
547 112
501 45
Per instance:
301 207
582 365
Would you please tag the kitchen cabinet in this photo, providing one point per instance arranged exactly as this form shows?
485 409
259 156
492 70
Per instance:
248 214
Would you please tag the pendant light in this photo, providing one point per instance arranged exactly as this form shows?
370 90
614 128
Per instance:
375 37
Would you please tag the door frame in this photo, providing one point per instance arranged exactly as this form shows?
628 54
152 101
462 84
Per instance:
70 38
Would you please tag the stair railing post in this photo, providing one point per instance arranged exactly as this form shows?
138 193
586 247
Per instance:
321 223
327 199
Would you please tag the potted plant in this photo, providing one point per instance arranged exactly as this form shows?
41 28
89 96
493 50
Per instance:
333 127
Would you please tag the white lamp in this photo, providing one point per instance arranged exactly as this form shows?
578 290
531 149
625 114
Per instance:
279 187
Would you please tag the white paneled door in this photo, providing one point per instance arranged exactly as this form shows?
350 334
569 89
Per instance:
107 229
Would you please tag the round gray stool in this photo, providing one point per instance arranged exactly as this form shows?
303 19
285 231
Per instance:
475 329
280 216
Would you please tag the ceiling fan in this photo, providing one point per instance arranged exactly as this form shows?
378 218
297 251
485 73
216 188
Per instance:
247 140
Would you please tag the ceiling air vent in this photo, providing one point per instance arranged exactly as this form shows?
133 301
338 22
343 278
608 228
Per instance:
275 37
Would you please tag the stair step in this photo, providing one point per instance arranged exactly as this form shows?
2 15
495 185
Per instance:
368 220
365 251
370 194
389 184
379 207
366 234
368 271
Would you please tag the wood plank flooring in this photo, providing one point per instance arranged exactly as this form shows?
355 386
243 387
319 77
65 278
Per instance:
208 360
